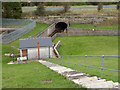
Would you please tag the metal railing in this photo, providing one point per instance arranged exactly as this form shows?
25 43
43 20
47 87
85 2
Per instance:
82 60
75 62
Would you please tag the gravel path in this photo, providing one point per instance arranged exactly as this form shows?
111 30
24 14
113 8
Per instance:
80 78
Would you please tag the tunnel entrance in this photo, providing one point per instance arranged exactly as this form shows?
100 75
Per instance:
60 26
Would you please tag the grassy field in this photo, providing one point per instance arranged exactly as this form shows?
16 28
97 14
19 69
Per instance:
91 26
39 27
90 45
94 12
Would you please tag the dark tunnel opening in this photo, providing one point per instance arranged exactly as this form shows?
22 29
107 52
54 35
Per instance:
60 26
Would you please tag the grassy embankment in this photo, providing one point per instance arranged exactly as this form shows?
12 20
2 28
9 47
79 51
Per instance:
90 45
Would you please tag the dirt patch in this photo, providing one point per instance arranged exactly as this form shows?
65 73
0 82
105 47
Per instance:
38 71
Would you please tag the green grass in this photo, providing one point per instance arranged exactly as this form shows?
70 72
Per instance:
25 76
39 28
90 45
27 7
91 26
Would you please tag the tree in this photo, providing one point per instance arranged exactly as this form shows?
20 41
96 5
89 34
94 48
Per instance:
40 10
100 6
24 4
11 10
118 6
66 7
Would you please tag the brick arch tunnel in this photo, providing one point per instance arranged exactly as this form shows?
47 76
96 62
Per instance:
59 27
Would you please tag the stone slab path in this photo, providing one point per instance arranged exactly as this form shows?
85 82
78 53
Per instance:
28 61
80 78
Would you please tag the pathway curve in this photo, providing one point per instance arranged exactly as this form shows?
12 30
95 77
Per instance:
79 77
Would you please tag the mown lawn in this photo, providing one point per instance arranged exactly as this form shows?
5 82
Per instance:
39 28
91 26
27 75
90 45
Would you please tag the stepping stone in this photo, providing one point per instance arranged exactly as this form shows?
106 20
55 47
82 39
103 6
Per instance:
71 72
37 71
36 68
76 77
76 81
116 84
11 62
46 81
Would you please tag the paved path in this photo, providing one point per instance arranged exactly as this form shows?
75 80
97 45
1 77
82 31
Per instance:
28 61
79 77
2 29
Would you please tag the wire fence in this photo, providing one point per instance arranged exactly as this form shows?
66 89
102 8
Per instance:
22 26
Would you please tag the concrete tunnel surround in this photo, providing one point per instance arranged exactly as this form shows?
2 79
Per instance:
61 26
